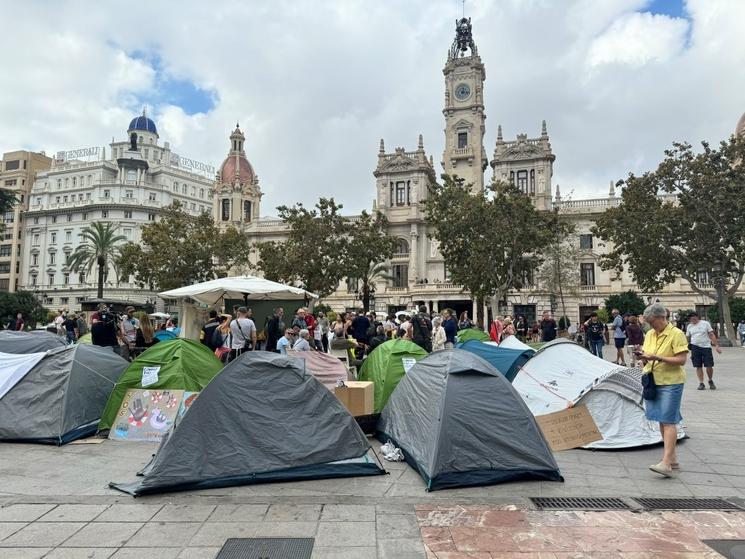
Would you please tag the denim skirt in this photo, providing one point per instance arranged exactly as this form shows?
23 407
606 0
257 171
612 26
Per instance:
665 408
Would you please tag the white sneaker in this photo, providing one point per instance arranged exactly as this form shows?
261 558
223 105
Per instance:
662 469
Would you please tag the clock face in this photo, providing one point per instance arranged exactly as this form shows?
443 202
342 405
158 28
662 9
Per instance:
462 91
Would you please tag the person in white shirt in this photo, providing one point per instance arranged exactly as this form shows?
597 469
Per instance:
302 342
243 332
438 334
701 336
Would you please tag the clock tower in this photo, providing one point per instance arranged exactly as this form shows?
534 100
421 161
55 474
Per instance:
464 153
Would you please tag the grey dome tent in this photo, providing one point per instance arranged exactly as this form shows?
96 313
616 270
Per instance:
29 342
460 423
263 418
60 397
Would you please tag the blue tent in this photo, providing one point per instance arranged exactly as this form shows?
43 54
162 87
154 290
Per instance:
164 335
505 360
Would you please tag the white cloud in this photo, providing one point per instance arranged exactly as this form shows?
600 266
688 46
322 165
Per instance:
315 85
638 39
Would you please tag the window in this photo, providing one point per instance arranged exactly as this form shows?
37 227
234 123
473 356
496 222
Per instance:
131 176
193 207
175 186
147 153
67 258
51 279
64 199
36 221
585 241
36 239
201 208
69 217
402 248
87 195
183 189
532 181
54 238
66 279
587 274
74 182
6 250
64 300
5 268
462 140
151 217
128 234
106 193
85 216
33 279
522 181
401 193
194 191
400 275
52 257
81 277
57 199
225 209
68 236
90 179
104 213
353 284
129 194
5 284
703 277
246 210
38 200
54 219
201 193
151 197
8 217
67 182
12 165
127 214
34 259
11 182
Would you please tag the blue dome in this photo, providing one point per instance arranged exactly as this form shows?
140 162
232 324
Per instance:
143 123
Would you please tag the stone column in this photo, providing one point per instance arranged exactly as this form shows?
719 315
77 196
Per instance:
413 253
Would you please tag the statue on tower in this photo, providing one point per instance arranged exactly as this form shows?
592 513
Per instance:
463 39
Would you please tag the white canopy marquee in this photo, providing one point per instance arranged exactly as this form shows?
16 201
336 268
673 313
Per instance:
238 287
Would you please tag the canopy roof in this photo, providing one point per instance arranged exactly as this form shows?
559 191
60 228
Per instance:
238 287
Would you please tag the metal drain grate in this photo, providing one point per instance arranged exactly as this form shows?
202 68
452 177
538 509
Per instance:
580 503
684 503
267 548
731 549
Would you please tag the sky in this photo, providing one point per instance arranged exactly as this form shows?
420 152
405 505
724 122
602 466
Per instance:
316 84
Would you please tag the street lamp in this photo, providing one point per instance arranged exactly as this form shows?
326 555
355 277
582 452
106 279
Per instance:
724 341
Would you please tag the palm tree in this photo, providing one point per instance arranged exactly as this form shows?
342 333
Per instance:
98 247
376 272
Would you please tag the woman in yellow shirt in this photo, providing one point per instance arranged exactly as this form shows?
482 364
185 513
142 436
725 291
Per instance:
664 353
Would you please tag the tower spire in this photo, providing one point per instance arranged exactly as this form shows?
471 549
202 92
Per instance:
382 147
544 130
421 142
499 133
612 189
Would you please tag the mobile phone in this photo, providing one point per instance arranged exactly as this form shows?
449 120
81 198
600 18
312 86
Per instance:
638 353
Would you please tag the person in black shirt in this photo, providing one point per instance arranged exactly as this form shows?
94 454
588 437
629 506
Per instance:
274 329
421 329
594 330
208 330
547 327
71 328
104 331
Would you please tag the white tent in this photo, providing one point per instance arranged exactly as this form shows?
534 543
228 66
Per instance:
564 374
14 367
512 342
238 287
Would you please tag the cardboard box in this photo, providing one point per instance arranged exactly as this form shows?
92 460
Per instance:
357 396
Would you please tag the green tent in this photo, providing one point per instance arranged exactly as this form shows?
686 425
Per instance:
85 339
472 334
385 367
182 365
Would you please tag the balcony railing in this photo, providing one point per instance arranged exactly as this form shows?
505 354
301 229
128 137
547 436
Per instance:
588 287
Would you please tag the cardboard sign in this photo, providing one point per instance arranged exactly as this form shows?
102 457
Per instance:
146 415
408 363
150 376
569 428
357 396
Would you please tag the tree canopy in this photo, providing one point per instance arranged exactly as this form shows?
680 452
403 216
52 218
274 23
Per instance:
684 220
22 302
626 302
323 247
99 247
182 249
559 272
490 241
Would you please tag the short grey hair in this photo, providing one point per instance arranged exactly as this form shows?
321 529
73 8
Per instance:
304 333
655 310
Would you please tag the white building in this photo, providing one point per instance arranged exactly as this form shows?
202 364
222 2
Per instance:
83 186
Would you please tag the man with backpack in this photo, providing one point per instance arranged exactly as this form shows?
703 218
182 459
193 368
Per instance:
208 330
421 329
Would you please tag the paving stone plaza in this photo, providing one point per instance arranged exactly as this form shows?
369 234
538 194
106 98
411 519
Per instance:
55 502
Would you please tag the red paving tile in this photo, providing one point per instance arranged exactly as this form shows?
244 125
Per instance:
458 532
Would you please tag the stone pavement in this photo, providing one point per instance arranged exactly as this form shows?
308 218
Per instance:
56 503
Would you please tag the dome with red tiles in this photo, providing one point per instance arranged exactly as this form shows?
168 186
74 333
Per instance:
236 166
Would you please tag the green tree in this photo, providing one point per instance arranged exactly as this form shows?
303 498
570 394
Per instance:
24 302
490 241
99 247
7 200
559 272
368 246
736 308
314 253
181 249
683 220
626 302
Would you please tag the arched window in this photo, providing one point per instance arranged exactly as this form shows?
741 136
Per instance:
246 210
402 248
131 176
225 209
